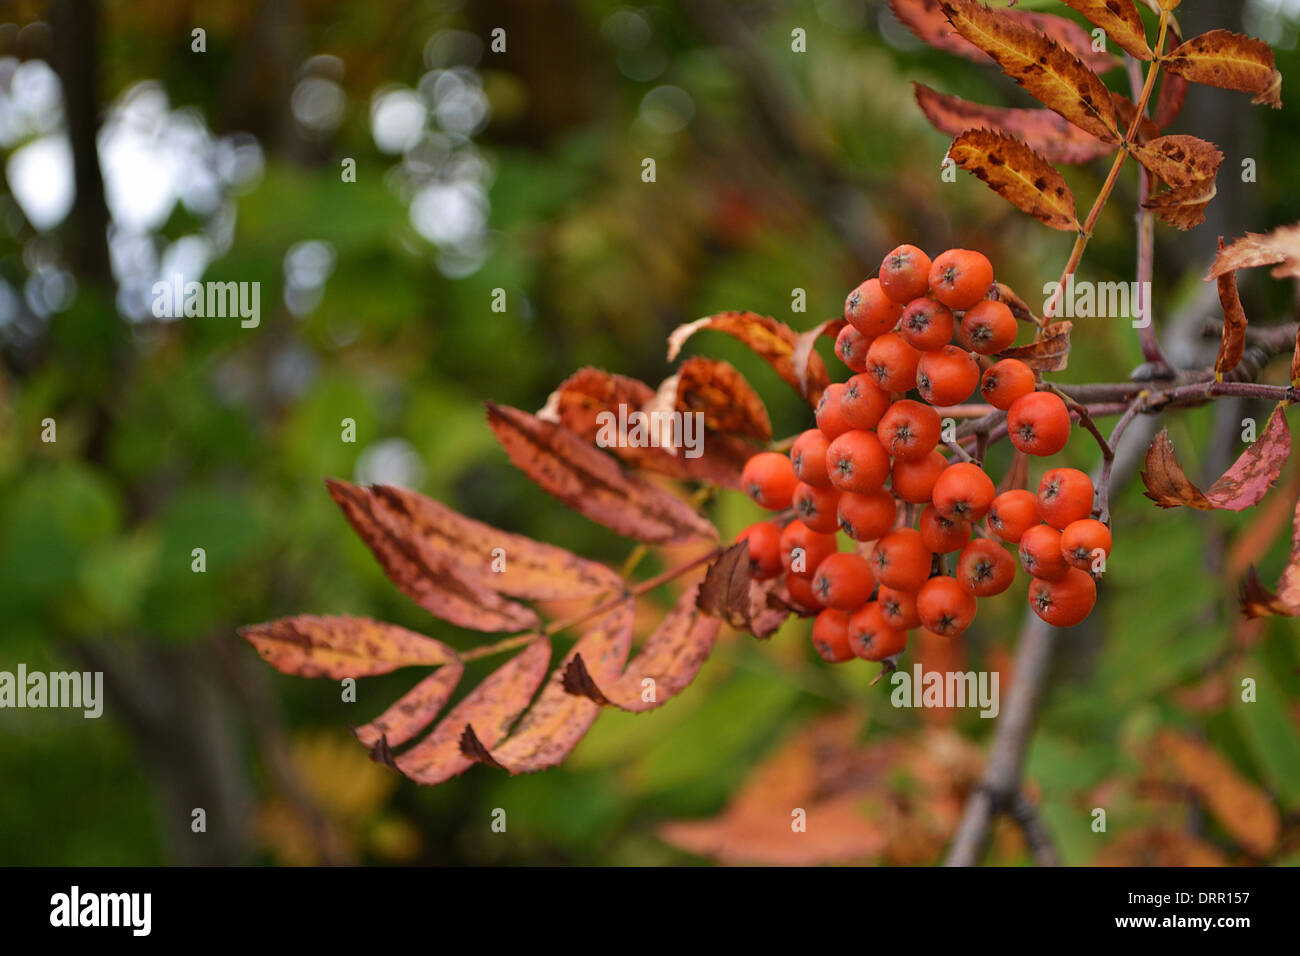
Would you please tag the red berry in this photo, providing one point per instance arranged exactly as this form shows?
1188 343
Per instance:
1064 496
988 327
872 637
866 517
913 481
1066 601
963 492
801 592
1005 381
818 508
901 560
851 346
984 568
863 402
959 278
945 607
1040 553
898 608
830 635
939 534
1081 540
830 416
947 375
808 458
843 580
802 549
870 311
764 539
1038 423
856 461
926 324
909 430
891 363
769 479
905 273
1013 513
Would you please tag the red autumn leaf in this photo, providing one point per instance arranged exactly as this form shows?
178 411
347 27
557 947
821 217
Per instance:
338 647
804 345
772 340
1183 207
1050 352
1017 174
1179 160
729 404
491 707
592 483
1232 344
1170 100
1121 21
413 711
665 666
1242 486
558 720
1280 248
1229 61
1042 130
1047 70
430 579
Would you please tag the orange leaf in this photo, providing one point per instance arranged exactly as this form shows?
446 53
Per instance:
1280 248
428 578
727 401
555 724
1121 21
592 483
1047 70
1240 807
927 20
666 665
492 707
413 711
1232 344
772 340
1043 131
1183 206
1166 482
1017 174
1049 353
1229 61
338 647
1179 160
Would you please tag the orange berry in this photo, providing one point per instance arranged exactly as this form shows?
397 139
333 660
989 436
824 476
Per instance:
1064 496
945 607
818 508
830 416
988 327
1012 513
843 580
901 560
830 635
939 534
891 363
909 430
1038 423
905 273
863 402
851 346
1006 381
947 375
963 492
870 311
1040 553
801 592
764 539
913 481
926 324
959 278
802 549
1082 539
1066 601
808 458
872 637
984 568
856 461
866 517
769 479
898 608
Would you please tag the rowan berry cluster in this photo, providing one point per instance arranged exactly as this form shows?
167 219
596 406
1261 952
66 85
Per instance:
874 468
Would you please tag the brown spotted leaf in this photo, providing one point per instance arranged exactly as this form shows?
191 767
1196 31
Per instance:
729 404
1240 807
338 647
592 483
1257 469
927 20
1229 61
509 563
1049 353
666 665
1017 174
1280 248
413 711
1166 482
554 725
1121 21
1041 130
430 579
803 349
1232 344
1179 160
1047 70
1183 207
491 707
772 340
